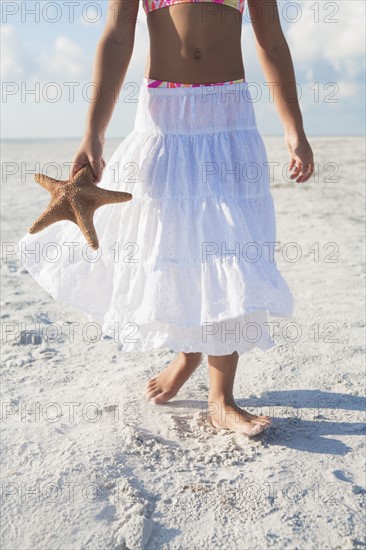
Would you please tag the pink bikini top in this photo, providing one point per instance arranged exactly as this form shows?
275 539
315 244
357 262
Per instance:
151 5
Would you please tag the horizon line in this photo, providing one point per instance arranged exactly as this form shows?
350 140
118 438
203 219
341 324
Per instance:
123 137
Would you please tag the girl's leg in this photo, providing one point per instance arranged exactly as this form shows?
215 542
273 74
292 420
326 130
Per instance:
166 385
223 411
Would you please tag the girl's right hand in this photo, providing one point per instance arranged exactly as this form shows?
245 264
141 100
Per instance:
89 152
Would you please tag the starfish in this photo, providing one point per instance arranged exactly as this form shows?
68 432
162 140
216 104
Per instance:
76 200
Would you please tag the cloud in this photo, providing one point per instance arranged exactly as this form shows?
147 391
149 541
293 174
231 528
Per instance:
64 59
348 89
16 61
336 39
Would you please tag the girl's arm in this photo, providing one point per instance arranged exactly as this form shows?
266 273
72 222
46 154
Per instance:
275 58
112 58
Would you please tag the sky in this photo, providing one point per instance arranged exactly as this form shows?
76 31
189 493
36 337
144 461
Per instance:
48 47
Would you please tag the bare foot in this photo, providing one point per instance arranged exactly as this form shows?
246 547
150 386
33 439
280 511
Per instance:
227 415
166 385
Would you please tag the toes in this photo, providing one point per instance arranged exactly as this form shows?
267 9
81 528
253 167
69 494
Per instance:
162 397
263 423
249 417
250 429
158 400
264 420
152 393
257 428
150 386
158 396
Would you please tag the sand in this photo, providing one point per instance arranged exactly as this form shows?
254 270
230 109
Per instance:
87 463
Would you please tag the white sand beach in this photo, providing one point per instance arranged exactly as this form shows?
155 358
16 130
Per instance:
88 463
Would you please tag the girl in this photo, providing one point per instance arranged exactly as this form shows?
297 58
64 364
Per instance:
200 276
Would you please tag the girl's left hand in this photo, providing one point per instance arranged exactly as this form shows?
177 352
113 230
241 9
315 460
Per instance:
301 157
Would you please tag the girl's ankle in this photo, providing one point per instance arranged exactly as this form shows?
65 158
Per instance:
186 360
221 398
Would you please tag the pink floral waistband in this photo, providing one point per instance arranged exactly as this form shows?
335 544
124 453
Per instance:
153 83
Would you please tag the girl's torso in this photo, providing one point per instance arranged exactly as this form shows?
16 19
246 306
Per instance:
194 42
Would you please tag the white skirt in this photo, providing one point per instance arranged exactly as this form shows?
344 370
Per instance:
188 263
